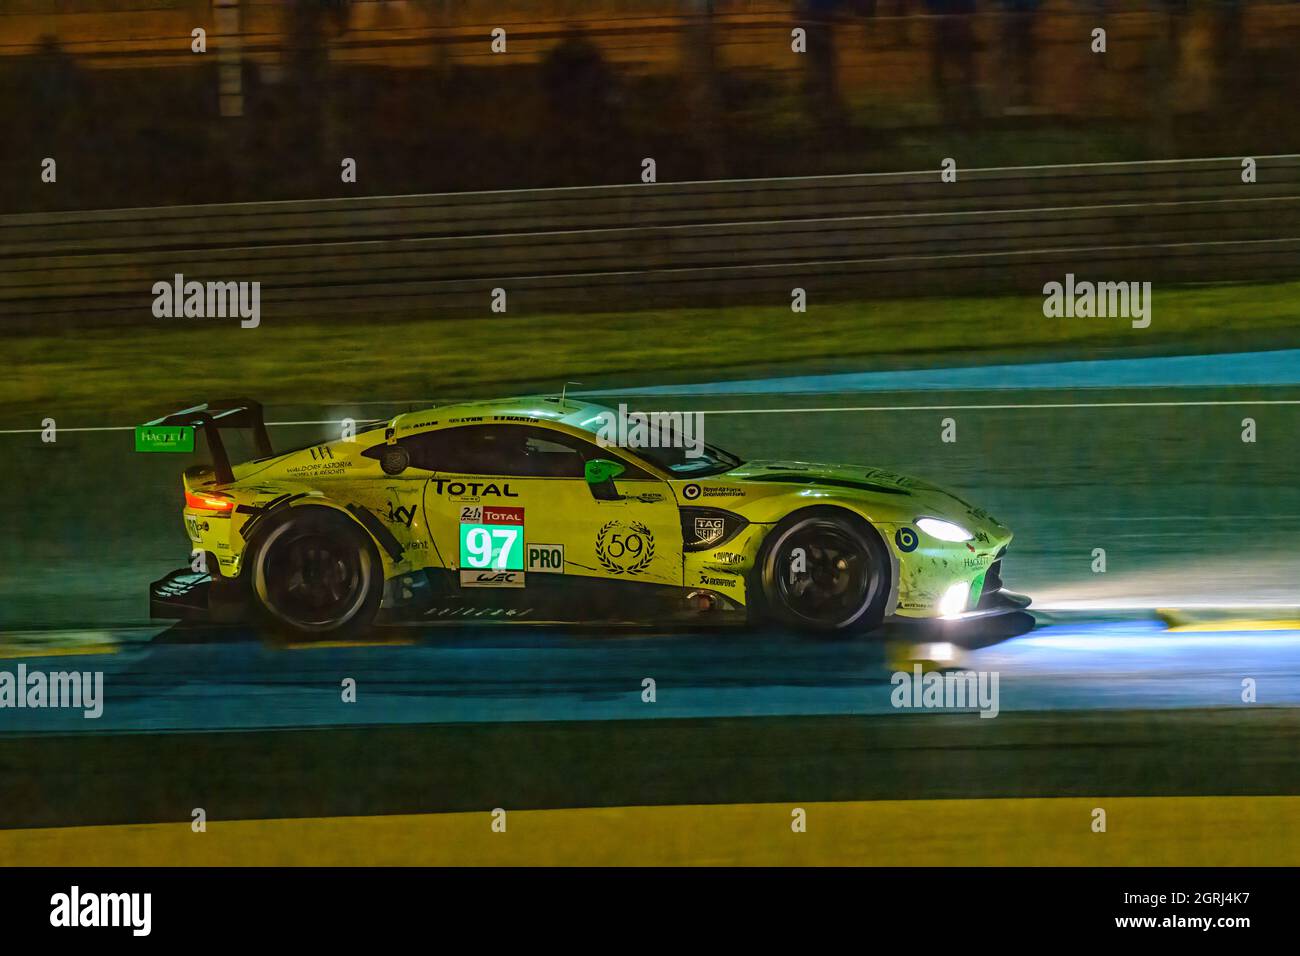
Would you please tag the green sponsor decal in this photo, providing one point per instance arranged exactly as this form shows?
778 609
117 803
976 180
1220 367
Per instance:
164 437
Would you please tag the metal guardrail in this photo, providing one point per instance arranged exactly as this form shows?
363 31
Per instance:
621 248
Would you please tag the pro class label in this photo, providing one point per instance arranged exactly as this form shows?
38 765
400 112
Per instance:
544 558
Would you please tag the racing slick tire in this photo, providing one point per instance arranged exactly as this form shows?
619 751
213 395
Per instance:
823 571
315 575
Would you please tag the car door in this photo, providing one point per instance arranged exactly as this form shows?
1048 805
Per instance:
513 505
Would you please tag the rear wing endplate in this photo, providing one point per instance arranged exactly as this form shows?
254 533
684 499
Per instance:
176 432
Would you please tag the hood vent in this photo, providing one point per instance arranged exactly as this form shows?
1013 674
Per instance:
831 482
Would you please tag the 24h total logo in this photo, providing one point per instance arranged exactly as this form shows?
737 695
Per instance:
625 548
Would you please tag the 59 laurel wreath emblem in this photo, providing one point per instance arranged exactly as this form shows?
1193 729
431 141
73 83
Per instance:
625 548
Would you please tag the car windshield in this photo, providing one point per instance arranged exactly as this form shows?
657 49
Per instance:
711 460
675 454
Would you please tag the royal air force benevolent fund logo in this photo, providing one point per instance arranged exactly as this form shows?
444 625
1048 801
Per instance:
625 547
693 491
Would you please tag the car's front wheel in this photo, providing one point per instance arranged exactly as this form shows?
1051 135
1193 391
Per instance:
315 574
824 570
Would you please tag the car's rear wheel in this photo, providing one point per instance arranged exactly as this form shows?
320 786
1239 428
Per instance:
315 574
825 571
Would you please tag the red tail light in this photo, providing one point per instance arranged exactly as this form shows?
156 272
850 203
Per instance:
204 502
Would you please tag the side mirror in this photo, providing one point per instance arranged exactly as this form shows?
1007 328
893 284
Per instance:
600 474
601 470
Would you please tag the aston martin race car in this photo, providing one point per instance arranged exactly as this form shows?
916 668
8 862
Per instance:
516 510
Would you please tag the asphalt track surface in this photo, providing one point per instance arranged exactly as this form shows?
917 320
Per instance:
1191 519
1124 683
184 680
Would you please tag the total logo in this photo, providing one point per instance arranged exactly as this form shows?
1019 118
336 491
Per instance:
460 489
493 514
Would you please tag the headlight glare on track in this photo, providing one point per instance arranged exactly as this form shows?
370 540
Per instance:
954 600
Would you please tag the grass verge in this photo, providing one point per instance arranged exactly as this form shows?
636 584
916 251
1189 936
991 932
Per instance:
103 375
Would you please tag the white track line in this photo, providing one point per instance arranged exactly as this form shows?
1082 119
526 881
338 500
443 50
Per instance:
686 182
1008 407
316 244
1171 605
310 250
778 411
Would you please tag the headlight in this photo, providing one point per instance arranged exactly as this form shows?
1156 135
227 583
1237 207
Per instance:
943 530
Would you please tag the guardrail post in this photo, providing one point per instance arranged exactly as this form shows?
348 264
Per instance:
230 90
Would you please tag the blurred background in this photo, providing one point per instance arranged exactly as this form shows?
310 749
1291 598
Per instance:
775 171
711 88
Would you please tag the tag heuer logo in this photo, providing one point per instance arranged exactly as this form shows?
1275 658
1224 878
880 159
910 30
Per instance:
708 530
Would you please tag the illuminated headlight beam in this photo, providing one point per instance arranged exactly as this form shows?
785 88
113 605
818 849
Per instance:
954 599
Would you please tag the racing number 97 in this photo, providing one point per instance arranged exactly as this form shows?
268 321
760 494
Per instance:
491 546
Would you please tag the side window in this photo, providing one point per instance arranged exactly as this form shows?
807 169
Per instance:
549 454
554 454
516 451
469 449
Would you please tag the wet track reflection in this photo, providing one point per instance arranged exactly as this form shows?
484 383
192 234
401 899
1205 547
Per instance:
185 678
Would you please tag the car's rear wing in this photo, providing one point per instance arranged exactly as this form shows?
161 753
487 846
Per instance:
175 432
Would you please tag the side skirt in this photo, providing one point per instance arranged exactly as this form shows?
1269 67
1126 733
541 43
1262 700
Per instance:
436 595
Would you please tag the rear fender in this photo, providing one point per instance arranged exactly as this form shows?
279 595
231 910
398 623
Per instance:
386 545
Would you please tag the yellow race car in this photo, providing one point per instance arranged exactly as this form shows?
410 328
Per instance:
515 510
